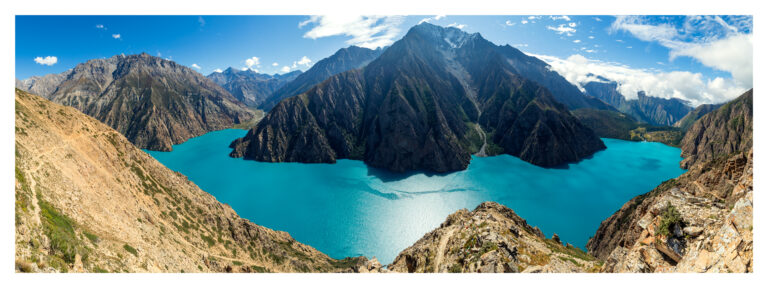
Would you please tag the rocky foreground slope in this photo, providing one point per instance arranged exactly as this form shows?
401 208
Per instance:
87 200
428 102
702 220
154 102
490 239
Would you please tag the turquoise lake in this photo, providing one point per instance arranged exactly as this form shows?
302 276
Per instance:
350 209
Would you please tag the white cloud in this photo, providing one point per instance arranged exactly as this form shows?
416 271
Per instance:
274 64
577 41
524 21
710 40
564 17
304 61
457 25
366 31
591 37
597 19
195 66
437 17
116 36
285 69
572 25
685 85
561 29
251 62
101 26
218 70
509 23
533 17
47 60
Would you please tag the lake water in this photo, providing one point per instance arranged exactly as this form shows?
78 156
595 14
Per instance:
350 209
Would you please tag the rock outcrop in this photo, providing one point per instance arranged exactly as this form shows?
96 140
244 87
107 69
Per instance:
250 87
425 104
345 59
699 222
87 200
721 132
490 239
154 102
652 110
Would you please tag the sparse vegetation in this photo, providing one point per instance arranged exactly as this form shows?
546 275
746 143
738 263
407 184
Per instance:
669 217
131 250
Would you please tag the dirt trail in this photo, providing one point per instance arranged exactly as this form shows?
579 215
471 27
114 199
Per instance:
441 248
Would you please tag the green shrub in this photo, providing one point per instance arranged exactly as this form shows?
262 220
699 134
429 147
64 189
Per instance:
61 233
669 217
131 250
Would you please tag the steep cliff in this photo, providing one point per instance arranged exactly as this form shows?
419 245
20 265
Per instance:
652 110
425 104
154 102
87 200
695 114
721 132
490 239
702 220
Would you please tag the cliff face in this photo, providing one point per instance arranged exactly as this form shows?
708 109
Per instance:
490 239
698 222
695 114
721 132
648 109
426 103
250 87
87 200
345 59
155 103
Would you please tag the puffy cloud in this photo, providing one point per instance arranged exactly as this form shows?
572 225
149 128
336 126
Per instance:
47 60
285 69
251 62
710 40
218 70
591 37
116 36
524 21
304 61
684 85
274 64
564 17
572 25
457 25
195 66
365 31
577 41
437 17
101 26
509 23
562 29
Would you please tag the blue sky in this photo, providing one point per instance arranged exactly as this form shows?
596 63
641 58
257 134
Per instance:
660 54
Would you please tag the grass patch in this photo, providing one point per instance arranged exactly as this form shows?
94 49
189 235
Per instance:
259 269
669 217
61 233
208 240
131 250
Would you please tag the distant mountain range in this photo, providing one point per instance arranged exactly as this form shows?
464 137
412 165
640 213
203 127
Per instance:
345 59
154 102
250 87
648 109
426 103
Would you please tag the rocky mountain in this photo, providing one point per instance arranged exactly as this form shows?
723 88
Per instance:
345 59
652 110
617 125
540 72
87 200
250 87
695 114
490 239
154 102
427 103
700 221
721 132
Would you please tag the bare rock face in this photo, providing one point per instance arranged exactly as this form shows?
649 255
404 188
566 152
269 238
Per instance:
87 200
154 102
721 132
698 222
490 239
250 87
424 104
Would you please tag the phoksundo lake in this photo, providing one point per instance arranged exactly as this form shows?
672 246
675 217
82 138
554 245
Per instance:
350 209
